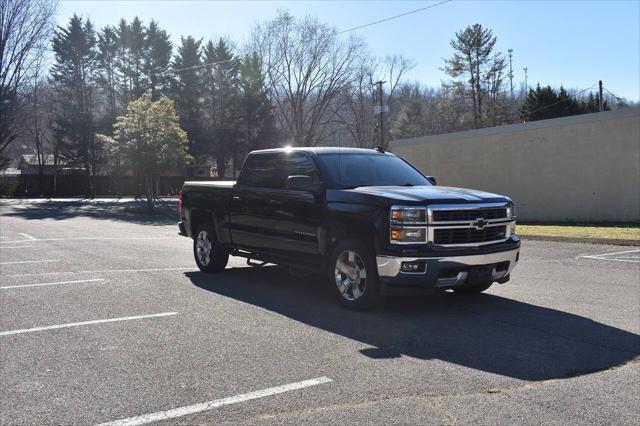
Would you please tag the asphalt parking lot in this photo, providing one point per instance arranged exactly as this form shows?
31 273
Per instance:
105 318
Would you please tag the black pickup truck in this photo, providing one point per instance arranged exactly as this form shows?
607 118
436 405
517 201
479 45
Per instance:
365 218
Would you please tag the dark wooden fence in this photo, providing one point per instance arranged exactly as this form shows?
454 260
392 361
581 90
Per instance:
80 185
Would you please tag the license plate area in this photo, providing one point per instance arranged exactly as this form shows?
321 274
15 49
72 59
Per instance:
480 274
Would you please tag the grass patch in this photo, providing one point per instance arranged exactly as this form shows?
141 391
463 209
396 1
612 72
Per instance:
631 232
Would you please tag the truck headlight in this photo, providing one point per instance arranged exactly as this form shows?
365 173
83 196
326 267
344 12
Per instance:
511 211
408 235
408 214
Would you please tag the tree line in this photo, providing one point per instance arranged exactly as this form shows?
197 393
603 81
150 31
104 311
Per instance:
295 82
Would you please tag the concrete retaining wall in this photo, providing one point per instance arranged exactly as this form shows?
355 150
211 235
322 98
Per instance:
583 168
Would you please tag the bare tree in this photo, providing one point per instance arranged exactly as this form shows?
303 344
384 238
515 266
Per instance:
25 26
307 66
356 112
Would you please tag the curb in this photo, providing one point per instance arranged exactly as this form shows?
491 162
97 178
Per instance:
609 241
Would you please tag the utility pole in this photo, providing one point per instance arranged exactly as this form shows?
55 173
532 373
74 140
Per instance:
526 83
381 99
601 101
510 72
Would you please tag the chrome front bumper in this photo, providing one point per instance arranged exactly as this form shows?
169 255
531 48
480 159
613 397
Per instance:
442 272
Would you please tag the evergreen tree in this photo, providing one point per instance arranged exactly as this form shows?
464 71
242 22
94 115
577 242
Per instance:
411 122
157 60
544 103
221 83
476 62
73 77
123 63
136 45
106 68
256 124
187 90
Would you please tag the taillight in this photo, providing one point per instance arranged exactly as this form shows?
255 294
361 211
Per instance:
180 203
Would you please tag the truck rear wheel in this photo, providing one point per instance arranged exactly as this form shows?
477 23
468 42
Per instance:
210 255
353 275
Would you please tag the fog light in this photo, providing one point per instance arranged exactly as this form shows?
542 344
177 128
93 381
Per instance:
413 267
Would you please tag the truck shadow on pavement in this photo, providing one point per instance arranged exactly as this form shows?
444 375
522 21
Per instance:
166 213
485 332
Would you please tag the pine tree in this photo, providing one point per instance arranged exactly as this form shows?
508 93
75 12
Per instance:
187 90
411 122
221 83
257 123
476 61
136 45
544 103
73 78
106 67
157 60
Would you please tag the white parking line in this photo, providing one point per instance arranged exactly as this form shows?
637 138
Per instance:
56 283
619 256
27 236
101 271
210 405
92 239
12 247
77 324
30 261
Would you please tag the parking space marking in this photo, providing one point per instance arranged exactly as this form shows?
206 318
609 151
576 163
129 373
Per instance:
78 324
620 256
191 268
210 405
30 261
92 239
27 236
12 247
56 283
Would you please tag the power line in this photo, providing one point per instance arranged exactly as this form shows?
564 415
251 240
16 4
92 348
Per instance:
339 32
204 65
394 17
617 97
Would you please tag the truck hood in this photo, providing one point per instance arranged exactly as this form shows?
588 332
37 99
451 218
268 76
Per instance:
429 194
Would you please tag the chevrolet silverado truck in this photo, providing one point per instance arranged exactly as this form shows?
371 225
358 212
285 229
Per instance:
367 219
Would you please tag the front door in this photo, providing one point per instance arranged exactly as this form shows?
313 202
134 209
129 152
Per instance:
296 215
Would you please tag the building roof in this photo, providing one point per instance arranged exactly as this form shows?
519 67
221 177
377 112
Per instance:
32 159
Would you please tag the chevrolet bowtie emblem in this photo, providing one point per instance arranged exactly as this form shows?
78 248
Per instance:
479 224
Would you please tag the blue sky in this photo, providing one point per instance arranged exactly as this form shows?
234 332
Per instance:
573 43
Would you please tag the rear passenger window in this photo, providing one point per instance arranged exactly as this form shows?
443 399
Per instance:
264 170
301 165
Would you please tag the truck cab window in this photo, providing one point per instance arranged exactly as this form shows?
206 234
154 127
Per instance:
264 170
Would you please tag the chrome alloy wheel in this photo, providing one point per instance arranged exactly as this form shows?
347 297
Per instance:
351 275
203 248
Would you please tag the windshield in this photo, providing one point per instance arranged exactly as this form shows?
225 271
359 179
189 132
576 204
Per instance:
354 170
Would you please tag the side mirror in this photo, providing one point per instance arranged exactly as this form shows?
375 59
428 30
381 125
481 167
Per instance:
303 183
432 180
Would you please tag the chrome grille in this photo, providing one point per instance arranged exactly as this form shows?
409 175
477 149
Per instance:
468 235
469 214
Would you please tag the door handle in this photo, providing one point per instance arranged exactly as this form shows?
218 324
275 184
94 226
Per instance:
236 198
275 202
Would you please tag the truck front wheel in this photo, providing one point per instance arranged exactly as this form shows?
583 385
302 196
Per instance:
210 255
354 276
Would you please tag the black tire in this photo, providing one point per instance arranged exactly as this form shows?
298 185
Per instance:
472 289
367 290
218 255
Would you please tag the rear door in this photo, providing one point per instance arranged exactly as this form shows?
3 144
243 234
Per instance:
261 176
